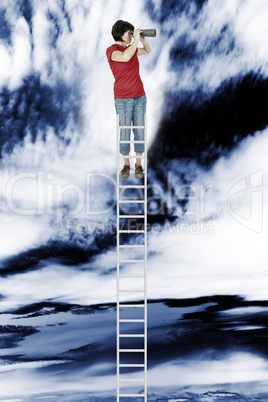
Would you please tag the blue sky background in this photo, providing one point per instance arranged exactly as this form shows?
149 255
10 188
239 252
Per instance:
206 82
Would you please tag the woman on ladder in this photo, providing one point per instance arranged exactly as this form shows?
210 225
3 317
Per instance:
129 94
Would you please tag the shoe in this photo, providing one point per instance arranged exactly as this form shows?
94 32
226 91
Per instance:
125 172
138 171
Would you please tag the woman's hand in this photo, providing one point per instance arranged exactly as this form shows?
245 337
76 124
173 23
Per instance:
130 50
137 33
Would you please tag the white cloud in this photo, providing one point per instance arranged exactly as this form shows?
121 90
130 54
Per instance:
70 285
31 384
41 51
15 57
21 53
230 39
230 258
20 233
30 365
5 65
251 32
237 367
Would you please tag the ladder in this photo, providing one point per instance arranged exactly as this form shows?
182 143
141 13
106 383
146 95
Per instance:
132 343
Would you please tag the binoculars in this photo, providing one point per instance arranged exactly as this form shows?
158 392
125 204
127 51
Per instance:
147 32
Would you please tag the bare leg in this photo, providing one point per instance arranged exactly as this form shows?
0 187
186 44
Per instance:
126 160
126 168
138 167
138 160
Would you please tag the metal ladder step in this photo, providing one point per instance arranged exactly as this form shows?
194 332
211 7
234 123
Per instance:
131 261
131 126
132 186
131 320
131 216
132 365
131 335
131 379
131 231
131 290
131 201
131 350
131 276
131 245
131 157
131 305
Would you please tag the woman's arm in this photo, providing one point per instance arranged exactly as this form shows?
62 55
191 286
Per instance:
146 47
128 53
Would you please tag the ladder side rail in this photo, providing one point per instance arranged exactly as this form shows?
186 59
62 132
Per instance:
117 258
145 258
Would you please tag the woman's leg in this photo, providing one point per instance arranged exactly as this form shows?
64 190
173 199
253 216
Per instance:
139 111
138 120
124 109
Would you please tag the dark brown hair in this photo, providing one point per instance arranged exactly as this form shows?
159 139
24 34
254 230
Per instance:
119 28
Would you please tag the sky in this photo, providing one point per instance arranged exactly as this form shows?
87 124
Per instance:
205 82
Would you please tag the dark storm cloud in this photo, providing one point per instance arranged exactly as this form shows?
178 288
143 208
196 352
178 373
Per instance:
162 10
69 254
5 30
204 127
32 109
12 335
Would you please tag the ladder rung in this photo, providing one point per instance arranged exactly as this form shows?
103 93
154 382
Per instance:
131 201
131 395
131 379
132 186
131 126
131 157
131 231
132 305
131 245
131 142
131 336
131 216
131 350
131 261
131 290
131 320
132 365
131 276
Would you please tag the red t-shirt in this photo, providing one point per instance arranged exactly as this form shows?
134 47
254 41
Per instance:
128 83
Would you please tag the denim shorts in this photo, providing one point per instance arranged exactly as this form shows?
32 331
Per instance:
131 110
